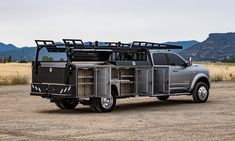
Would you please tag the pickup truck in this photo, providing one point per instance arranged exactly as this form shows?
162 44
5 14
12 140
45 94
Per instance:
98 73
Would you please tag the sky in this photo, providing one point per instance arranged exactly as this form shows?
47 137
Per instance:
23 21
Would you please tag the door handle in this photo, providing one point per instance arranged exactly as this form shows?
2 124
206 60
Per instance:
175 71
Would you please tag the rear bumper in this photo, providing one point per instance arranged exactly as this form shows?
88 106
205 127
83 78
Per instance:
48 95
53 90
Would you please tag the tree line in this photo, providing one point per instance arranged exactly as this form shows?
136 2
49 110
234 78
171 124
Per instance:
9 59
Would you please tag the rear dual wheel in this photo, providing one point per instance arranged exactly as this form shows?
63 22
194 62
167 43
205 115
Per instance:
67 104
103 104
163 97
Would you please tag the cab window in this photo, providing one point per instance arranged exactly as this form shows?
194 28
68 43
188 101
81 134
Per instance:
159 59
175 60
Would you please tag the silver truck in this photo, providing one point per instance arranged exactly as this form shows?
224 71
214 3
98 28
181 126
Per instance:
98 73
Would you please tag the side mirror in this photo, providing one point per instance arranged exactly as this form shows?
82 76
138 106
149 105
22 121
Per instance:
189 61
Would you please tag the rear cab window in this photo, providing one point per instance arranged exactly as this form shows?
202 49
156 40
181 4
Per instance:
160 59
167 59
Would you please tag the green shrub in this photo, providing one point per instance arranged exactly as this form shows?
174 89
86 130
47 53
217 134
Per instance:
19 80
4 81
217 77
232 76
14 80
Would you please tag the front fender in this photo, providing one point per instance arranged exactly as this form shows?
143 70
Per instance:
196 78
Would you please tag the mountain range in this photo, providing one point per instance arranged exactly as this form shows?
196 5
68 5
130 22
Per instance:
216 47
28 53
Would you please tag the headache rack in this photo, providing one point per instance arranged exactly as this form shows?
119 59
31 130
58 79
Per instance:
137 51
78 43
151 45
51 46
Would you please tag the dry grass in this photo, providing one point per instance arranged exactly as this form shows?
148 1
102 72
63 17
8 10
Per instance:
20 73
220 71
15 73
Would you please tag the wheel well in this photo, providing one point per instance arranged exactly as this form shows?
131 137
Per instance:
205 80
114 89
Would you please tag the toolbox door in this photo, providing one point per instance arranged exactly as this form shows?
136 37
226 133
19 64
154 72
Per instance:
161 80
103 81
144 81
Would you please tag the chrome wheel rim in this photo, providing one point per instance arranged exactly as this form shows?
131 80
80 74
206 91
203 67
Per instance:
107 103
202 93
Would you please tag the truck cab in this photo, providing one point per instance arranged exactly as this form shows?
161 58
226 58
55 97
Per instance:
182 72
96 74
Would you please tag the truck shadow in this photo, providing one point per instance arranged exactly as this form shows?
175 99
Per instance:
127 107
150 105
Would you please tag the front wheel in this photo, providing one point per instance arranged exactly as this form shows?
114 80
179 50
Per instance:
200 92
67 104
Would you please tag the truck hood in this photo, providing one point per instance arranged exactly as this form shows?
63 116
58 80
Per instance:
200 69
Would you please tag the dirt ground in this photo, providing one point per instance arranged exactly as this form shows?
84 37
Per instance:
25 117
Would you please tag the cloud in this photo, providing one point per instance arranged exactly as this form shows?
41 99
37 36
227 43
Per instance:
154 20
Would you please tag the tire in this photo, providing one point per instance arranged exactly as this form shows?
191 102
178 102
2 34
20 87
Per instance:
59 105
92 106
104 104
163 97
200 92
67 104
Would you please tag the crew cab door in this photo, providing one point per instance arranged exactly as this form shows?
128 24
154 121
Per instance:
161 75
180 75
